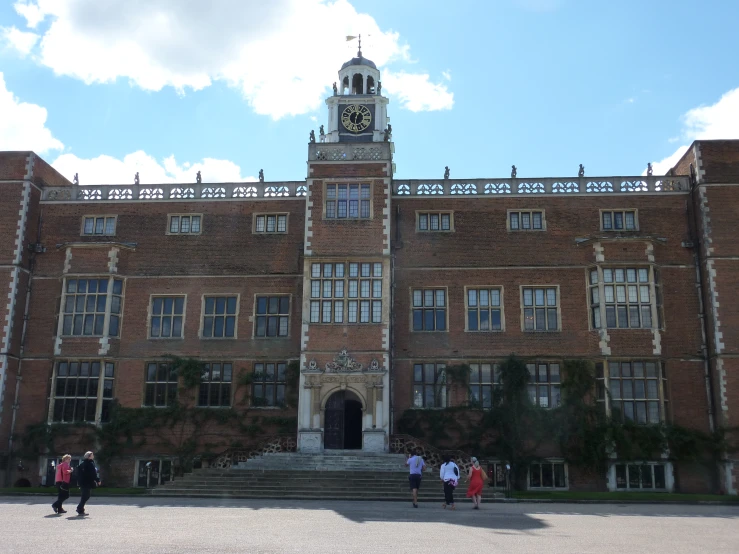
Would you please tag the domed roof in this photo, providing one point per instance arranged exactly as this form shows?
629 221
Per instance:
359 61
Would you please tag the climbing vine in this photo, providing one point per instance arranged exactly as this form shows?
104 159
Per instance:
515 429
182 429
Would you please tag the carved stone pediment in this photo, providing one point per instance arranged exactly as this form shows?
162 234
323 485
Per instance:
343 363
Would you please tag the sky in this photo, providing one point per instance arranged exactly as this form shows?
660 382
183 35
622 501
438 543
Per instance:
167 88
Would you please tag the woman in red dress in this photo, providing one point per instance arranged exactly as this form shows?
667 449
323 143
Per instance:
477 479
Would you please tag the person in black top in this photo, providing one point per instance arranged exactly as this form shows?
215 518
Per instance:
87 479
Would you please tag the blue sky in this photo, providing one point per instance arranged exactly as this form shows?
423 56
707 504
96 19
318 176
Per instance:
231 86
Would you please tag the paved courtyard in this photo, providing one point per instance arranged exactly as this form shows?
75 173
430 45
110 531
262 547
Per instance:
157 525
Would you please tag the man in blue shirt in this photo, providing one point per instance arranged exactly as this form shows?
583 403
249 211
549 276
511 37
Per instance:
416 465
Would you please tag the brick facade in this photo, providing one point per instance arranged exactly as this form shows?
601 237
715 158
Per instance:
695 333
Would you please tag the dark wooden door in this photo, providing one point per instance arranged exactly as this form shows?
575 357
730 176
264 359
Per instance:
333 423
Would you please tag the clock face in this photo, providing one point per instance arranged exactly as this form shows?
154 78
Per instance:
356 118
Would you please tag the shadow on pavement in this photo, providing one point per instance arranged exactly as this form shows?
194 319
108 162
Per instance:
500 517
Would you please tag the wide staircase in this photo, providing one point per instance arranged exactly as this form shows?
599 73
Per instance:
335 475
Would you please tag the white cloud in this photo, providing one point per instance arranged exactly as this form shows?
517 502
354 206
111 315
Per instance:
109 170
19 40
32 13
23 125
717 121
282 54
417 93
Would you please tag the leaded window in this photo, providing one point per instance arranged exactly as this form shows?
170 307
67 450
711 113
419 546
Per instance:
219 317
103 225
544 386
215 385
272 316
167 315
82 391
526 220
619 220
346 293
621 298
181 224
429 309
484 384
540 308
434 221
429 385
633 390
161 384
347 201
85 304
270 223
269 384
484 309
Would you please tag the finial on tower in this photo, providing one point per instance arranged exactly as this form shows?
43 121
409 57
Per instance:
352 37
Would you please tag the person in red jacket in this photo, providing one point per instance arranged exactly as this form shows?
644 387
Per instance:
63 476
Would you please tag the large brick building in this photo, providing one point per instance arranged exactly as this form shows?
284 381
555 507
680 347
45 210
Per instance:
370 286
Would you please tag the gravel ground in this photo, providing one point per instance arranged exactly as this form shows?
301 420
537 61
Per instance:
158 525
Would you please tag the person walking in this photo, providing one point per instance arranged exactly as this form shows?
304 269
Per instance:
449 474
87 479
416 465
61 480
477 478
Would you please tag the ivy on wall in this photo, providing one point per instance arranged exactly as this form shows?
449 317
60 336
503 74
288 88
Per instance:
516 430
182 429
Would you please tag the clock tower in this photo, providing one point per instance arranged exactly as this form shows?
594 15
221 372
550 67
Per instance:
357 112
345 365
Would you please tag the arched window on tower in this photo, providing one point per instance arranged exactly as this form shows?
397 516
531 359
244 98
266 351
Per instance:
357 83
345 86
370 85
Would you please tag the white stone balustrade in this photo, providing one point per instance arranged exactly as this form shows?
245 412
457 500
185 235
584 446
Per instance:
379 151
545 185
176 191
350 152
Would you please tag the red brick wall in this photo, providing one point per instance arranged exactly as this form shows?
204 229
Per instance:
334 237
228 258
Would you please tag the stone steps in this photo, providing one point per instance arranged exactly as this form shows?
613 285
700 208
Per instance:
337 475
339 461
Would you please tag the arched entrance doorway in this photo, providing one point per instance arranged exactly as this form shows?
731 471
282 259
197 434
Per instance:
343 421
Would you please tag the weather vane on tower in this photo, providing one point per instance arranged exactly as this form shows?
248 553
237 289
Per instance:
359 38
